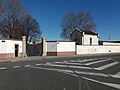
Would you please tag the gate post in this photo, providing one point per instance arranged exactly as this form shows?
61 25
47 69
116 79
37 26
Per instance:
44 46
24 46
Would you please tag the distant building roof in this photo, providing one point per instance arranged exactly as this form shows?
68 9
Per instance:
86 32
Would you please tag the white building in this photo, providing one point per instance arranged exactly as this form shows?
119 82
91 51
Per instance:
85 37
10 48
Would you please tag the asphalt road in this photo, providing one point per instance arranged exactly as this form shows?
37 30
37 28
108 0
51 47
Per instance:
65 73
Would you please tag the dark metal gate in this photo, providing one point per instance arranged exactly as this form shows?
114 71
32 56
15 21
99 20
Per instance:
34 49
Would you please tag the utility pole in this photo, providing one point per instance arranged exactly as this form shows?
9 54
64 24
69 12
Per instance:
109 37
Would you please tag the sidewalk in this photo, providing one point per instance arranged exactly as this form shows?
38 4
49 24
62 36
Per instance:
55 57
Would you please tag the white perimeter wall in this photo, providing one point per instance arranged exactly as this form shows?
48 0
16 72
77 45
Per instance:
60 46
80 49
66 47
111 44
51 46
8 46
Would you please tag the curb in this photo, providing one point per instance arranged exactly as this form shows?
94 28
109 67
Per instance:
55 57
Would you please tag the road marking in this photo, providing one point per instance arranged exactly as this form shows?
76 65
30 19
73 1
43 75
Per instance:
79 67
48 63
85 60
75 73
106 66
68 63
14 60
73 61
27 65
38 64
118 73
64 89
72 72
16 66
117 86
3 68
58 62
96 62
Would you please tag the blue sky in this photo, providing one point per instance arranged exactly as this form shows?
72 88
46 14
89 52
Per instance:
49 14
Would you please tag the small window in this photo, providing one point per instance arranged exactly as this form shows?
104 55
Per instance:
90 41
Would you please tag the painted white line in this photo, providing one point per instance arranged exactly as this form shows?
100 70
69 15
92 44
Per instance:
49 69
48 63
38 64
106 66
58 62
16 66
73 73
3 68
27 65
117 86
115 76
73 61
14 60
68 63
68 72
92 73
79 67
96 62
118 73
85 60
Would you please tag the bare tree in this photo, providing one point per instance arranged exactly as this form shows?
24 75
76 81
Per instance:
15 21
31 28
80 20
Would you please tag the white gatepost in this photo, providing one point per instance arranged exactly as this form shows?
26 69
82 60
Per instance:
44 46
24 46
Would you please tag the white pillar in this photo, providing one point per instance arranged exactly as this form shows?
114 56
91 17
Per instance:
44 46
24 46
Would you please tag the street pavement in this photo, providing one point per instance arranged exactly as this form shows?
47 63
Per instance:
63 73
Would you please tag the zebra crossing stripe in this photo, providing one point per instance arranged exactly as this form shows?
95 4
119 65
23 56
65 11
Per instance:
97 62
117 86
106 66
68 63
16 66
118 73
85 60
3 68
27 65
71 72
79 67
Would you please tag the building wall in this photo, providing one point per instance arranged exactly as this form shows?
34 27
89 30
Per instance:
86 39
80 49
7 48
60 48
77 37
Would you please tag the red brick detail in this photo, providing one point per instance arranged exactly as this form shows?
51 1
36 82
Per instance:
65 53
60 53
51 53
6 55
